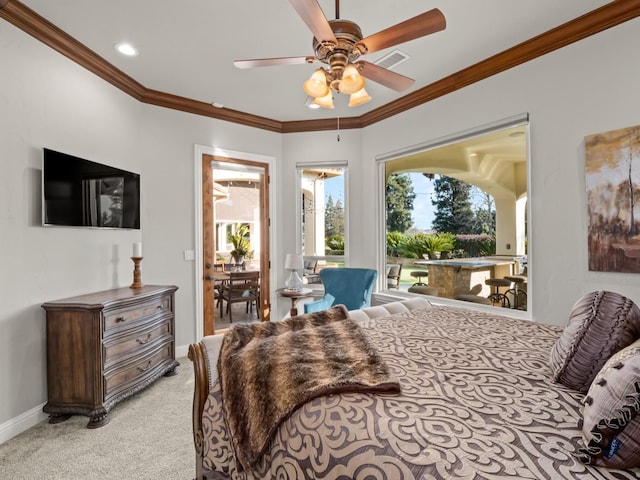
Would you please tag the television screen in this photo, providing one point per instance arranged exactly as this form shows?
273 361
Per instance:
81 193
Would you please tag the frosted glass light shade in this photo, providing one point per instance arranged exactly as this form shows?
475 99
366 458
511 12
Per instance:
358 98
317 86
351 80
324 102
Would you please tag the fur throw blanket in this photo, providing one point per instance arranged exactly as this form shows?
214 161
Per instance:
268 370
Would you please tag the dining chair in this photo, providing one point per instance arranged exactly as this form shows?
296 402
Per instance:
241 287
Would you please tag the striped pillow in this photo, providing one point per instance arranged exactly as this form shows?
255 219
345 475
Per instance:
601 323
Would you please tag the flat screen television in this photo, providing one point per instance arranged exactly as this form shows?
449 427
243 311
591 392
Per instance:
81 193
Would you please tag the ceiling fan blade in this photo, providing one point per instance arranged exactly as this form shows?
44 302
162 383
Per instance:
313 16
268 62
383 76
416 27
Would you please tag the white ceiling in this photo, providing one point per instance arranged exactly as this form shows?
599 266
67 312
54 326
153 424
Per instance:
187 48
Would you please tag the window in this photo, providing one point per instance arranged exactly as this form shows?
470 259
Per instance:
322 230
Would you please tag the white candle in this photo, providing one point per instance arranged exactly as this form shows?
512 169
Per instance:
137 249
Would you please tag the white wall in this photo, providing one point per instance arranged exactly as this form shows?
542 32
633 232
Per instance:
45 100
48 101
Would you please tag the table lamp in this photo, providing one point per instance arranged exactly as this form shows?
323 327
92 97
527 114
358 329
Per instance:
294 263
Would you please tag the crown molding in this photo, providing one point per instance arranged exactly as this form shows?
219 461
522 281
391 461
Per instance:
167 100
596 21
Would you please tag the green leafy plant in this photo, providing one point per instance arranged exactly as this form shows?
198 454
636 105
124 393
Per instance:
421 244
334 245
240 240
443 241
394 240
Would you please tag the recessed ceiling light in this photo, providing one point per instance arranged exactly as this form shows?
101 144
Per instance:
126 49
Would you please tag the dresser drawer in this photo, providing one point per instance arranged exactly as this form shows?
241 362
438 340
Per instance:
134 372
135 342
123 317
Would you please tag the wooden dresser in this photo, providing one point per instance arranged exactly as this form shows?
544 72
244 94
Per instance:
105 346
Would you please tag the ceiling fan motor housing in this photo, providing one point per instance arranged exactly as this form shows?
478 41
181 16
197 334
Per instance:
339 55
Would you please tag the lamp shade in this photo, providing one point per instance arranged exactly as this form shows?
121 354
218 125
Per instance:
358 98
324 102
351 80
317 86
293 262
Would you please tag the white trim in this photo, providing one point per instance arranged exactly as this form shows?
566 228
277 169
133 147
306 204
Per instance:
300 166
329 164
22 423
182 351
514 121
199 151
387 296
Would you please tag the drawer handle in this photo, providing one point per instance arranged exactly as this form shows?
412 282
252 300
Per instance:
144 369
122 318
146 340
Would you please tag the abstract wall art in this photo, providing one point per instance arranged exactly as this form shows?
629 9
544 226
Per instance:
612 170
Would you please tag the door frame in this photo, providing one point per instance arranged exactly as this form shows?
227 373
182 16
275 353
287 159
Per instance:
199 152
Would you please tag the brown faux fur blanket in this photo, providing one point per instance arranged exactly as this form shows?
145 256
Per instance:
268 370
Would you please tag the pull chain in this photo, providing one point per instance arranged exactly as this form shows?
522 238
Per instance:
338 118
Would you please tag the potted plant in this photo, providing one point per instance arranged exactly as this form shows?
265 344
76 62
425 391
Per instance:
240 243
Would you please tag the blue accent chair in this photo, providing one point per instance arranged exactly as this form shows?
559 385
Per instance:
351 287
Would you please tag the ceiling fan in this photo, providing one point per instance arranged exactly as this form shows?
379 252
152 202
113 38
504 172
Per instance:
339 44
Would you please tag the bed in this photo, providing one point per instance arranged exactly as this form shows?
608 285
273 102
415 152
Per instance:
476 401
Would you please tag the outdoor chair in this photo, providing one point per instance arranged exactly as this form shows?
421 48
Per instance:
393 275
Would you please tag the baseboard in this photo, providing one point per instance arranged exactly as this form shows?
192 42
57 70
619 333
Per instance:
22 422
182 351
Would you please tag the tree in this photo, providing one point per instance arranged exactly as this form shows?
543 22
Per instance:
453 206
485 213
399 202
333 217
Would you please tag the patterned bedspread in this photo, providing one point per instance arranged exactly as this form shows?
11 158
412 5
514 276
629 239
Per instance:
477 402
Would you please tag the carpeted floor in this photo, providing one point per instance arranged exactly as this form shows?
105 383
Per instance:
149 437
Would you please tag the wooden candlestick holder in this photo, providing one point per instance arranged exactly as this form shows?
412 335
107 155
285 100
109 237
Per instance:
137 273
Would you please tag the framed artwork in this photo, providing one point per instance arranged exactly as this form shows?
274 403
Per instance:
612 170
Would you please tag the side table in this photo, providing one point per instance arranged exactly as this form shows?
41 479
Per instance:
294 295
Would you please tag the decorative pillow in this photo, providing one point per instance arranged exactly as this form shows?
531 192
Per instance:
601 323
611 423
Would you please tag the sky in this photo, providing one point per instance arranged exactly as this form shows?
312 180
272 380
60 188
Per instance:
423 211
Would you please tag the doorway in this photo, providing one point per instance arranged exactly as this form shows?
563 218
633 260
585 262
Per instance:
235 207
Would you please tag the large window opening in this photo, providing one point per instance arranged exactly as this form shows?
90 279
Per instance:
455 218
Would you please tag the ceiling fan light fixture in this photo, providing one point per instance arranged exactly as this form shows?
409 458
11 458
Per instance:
358 98
351 81
317 86
325 101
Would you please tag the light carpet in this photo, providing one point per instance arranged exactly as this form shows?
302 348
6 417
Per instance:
149 436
